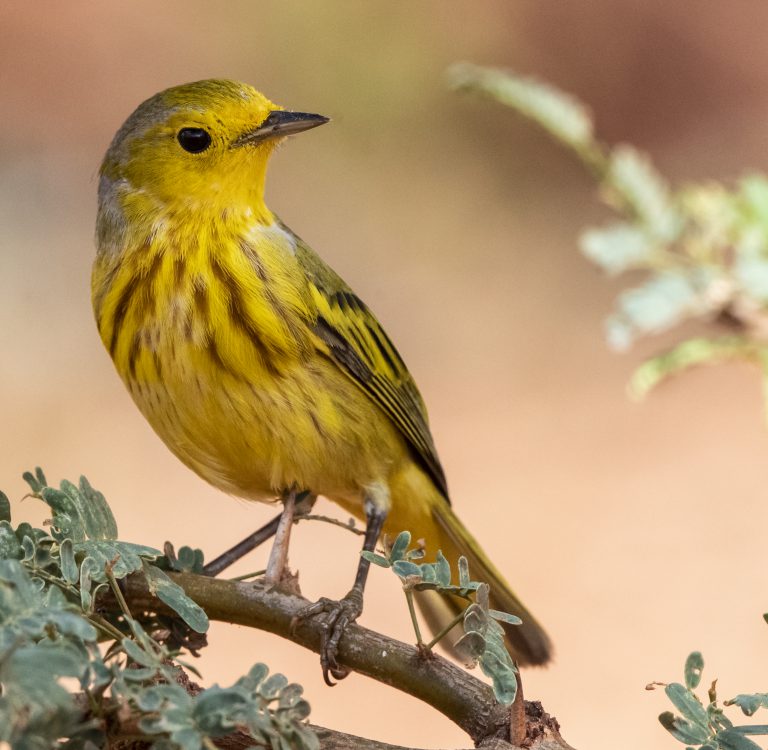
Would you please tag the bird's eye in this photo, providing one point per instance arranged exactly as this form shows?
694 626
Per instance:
194 140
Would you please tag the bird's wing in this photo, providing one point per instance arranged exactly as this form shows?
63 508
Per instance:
358 344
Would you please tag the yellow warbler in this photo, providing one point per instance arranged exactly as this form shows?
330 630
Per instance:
254 362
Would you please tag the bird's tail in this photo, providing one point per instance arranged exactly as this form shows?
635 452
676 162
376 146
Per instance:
528 643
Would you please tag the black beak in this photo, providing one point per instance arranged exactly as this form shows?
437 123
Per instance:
280 123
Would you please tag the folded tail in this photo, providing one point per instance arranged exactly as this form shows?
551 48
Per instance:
528 643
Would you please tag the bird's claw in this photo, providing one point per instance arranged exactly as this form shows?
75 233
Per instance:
338 615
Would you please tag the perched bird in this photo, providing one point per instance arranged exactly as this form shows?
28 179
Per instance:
250 357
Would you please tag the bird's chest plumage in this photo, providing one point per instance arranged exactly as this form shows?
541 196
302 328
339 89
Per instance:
216 347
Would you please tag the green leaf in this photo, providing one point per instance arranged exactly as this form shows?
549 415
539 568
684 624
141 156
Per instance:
190 560
471 646
80 512
217 709
9 543
464 579
88 568
482 597
174 596
749 702
694 664
66 519
256 675
502 673
658 304
475 619
150 700
29 549
372 557
730 739
99 521
35 481
417 553
428 572
505 617
751 729
18 590
405 568
688 704
124 558
140 655
139 675
442 570
717 719
400 546
68 565
72 624
300 710
32 673
271 687
683 730
290 696
644 190
618 247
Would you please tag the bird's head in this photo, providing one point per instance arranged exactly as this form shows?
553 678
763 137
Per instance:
204 143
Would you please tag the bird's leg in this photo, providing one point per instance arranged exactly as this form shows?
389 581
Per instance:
339 614
278 557
222 562
232 555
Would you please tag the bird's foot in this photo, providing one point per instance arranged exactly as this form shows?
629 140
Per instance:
338 615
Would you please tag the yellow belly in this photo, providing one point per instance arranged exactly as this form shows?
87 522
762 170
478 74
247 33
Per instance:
309 427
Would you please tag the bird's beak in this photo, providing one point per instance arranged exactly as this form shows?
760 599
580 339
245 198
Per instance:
280 123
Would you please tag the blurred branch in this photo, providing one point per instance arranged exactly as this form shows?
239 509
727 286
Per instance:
462 698
701 248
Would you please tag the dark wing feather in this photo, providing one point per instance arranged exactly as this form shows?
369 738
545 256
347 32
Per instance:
361 348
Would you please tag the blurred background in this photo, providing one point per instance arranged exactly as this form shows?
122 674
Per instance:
634 532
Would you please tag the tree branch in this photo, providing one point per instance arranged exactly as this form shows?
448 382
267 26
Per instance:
127 735
330 739
462 698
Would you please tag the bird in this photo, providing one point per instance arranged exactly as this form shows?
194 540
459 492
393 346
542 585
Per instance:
250 357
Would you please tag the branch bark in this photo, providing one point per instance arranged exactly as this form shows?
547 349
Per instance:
330 739
458 695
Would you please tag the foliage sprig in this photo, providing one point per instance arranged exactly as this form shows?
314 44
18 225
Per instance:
52 628
703 724
700 250
483 639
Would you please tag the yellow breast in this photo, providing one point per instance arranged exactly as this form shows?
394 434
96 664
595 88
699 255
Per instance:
213 339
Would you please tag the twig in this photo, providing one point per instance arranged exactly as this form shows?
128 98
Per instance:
447 629
106 627
113 584
329 519
246 576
